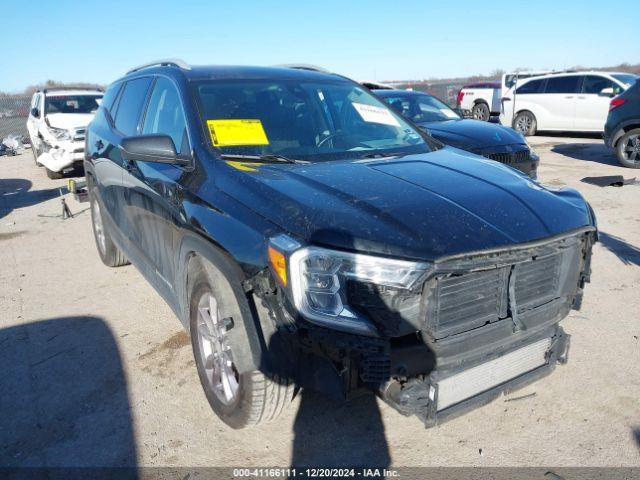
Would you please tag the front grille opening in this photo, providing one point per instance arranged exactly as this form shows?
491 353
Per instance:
457 302
510 158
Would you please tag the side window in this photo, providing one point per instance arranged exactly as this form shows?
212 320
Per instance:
595 83
534 86
110 96
566 84
130 105
165 114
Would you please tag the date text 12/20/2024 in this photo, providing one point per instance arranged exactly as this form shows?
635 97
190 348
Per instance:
314 473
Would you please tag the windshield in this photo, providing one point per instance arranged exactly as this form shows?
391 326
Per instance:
626 78
73 103
421 108
312 121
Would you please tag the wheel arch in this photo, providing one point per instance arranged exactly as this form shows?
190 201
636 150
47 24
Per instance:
624 128
196 254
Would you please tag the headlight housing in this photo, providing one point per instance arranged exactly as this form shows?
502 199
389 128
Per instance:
60 133
316 281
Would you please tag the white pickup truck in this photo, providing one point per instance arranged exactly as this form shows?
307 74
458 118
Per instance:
56 124
480 100
483 100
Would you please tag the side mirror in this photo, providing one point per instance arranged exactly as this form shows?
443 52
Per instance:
35 112
458 110
607 92
152 148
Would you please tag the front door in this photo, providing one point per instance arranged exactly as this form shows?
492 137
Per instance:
152 190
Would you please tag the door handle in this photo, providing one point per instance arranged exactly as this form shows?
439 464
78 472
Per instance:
569 96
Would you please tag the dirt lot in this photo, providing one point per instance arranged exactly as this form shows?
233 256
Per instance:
95 369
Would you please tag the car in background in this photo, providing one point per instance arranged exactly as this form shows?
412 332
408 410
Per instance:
622 130
479 100
568 101
492 141
56 124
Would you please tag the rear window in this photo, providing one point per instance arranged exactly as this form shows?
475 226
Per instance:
568 84
130 105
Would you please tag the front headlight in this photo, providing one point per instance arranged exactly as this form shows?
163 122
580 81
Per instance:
317 280
60 133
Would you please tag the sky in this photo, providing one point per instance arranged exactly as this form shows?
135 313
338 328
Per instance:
97 41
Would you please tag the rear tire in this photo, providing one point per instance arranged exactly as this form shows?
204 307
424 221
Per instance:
216 304
525 123
110 255
480 111
628 149
54 175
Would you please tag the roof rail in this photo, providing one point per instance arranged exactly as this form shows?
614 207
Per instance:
305 66
71 87
174 62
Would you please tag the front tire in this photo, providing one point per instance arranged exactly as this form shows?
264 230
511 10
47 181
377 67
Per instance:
628 149
216 304
480 111
525 123
54 175
110 255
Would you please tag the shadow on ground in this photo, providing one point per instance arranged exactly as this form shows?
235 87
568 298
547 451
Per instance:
16 193
590 152
333 434
627 253
64 400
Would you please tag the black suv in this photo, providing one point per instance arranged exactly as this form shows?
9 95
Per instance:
308 236
622 130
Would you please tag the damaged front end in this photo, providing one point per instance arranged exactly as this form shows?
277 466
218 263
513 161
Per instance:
433 339
62 150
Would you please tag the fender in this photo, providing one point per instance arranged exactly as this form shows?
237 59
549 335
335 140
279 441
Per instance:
621 130
247 330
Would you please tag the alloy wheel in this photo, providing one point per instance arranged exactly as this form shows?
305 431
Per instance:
215 352
98 227
631 148
524 123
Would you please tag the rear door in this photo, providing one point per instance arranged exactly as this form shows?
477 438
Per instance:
118 122
152 193
558 102
592 107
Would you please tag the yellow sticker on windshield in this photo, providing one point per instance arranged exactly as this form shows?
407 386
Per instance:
230 133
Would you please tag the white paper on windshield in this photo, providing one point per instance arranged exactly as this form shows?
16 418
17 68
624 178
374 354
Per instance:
373 114
449 113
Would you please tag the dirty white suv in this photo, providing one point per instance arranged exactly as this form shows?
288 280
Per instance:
57 122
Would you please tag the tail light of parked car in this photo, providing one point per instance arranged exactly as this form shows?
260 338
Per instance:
460 97
616 102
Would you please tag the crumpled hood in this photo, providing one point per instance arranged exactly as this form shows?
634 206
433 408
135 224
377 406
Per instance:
69 121
472 134
420 206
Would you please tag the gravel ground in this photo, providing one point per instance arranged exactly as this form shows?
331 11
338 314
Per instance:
96 370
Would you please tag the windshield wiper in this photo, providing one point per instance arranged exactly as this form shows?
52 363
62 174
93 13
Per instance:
271 158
